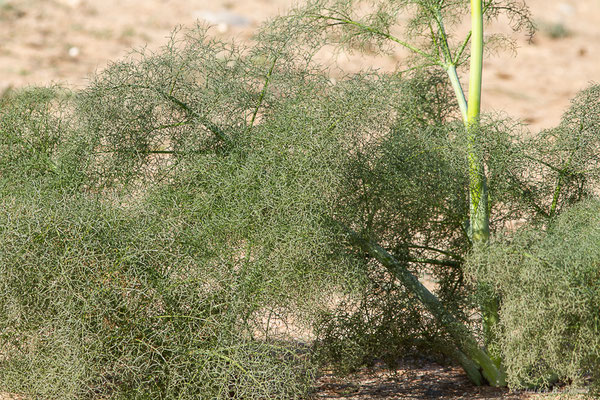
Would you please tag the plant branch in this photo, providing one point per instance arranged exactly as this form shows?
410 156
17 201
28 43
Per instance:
462 48
563 173
262 94
475 357
444 36
458 91
369 29
183 106
444 263
444 252
526 191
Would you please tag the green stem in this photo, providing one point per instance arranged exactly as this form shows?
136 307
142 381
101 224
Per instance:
218 132
444 36
262 94
449 64
562 172
476 69
432 261
444 252
460 52
458 90
557 191
478 192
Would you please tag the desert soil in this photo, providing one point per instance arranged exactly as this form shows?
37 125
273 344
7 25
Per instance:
44 41
65 41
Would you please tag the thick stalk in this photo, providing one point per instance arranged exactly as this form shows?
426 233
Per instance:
471 357
478 194
479 228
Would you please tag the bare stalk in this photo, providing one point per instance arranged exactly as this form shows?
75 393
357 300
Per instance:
474 360
478 193
479 228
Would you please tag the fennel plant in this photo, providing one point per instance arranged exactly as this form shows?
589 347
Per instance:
161 227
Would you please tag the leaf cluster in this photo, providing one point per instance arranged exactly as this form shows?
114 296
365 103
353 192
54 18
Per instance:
428 26
550 291
98 301
566 157
38 141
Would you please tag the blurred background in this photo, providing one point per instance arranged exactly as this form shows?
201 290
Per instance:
65 41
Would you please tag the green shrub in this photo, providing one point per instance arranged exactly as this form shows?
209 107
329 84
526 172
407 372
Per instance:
100 301
168 286
171 288
549 283
566 160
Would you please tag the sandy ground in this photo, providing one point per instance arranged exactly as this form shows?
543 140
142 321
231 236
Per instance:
45 41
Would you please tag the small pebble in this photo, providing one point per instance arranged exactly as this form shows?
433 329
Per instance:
222 27
222 17
566 9
74 52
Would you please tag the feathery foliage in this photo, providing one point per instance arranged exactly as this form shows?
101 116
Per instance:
99 301
38 141
565 161
546 273
550 289
172 230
